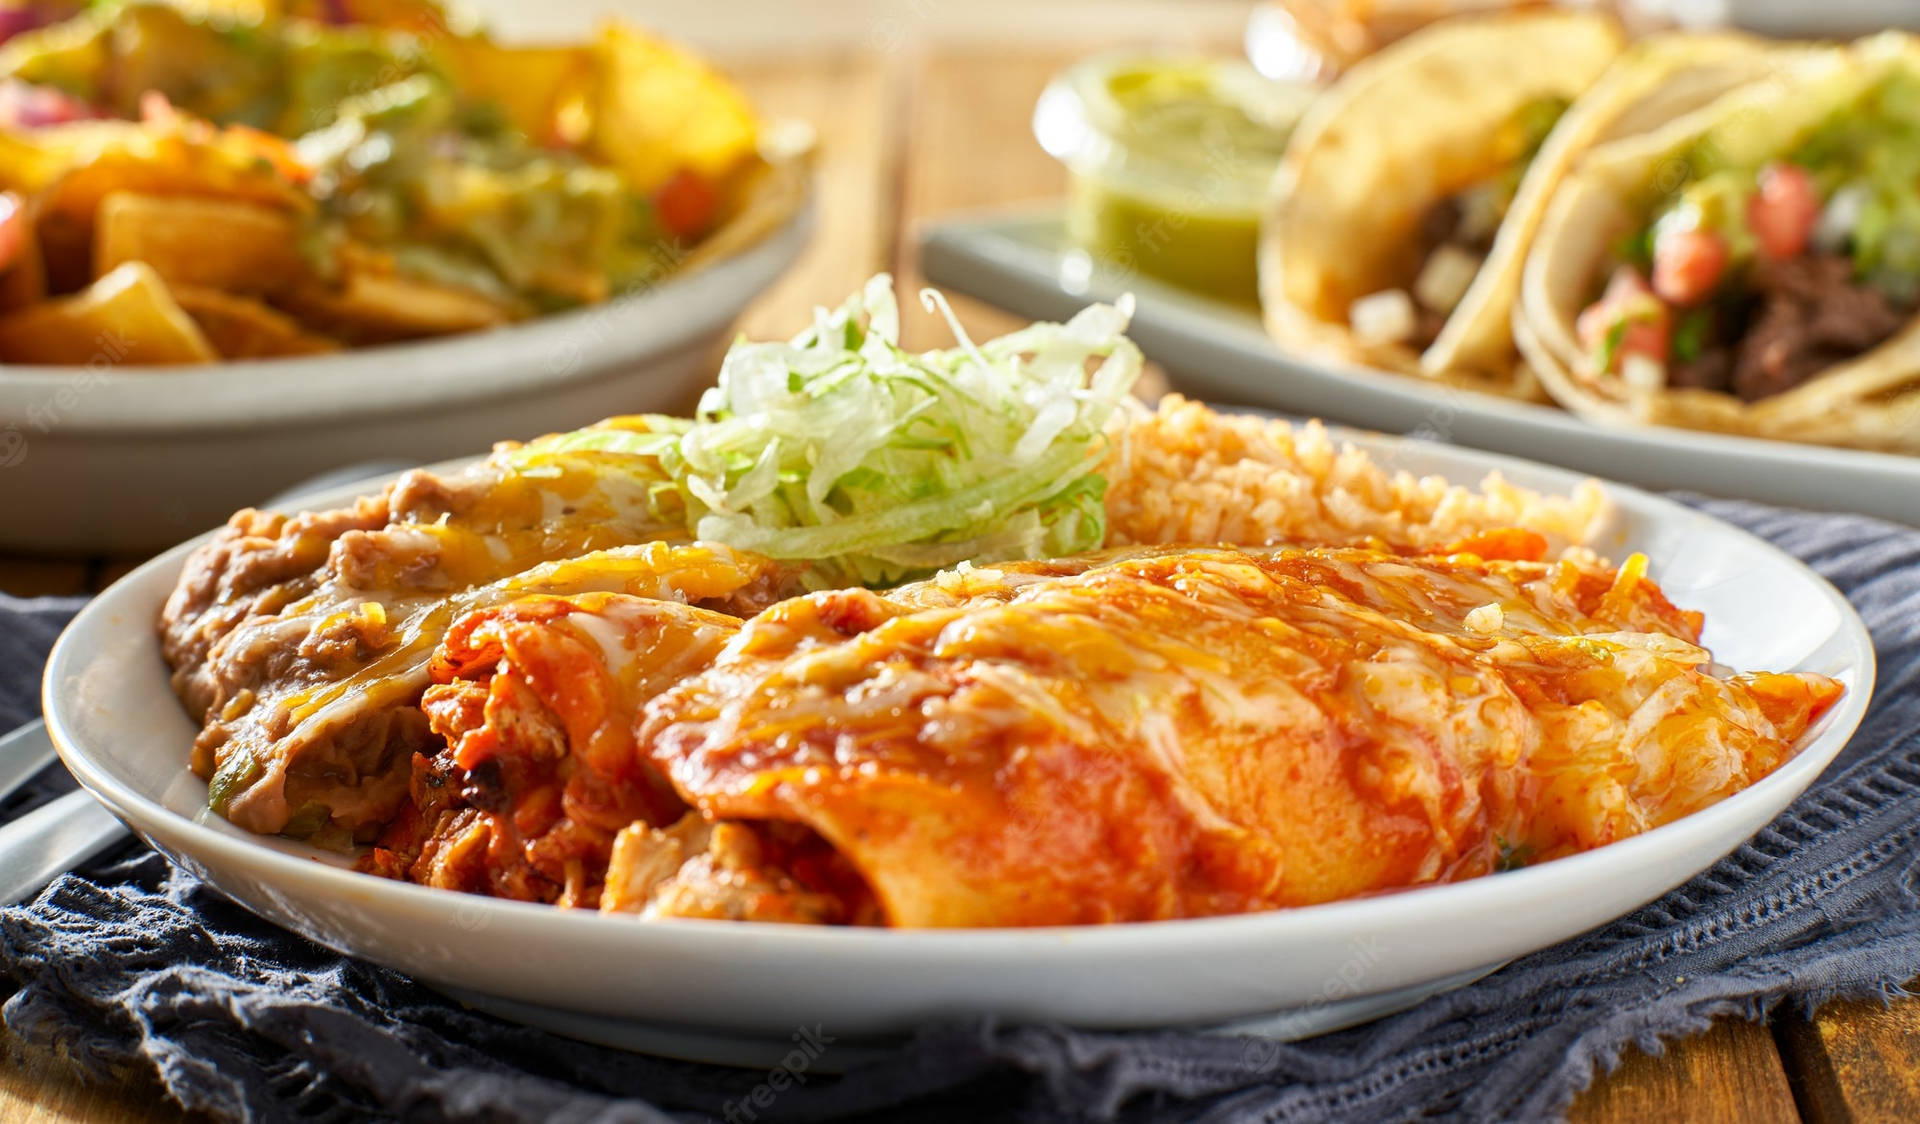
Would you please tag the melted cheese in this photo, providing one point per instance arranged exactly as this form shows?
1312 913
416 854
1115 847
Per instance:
1211 731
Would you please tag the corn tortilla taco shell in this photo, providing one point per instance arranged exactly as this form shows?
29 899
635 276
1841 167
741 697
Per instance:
1869 401
1646 87
1406 128
1369 163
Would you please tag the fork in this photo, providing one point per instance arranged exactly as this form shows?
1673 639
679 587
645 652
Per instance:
49 839
37 847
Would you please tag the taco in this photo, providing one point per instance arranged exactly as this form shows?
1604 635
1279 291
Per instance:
1404 206
1753 267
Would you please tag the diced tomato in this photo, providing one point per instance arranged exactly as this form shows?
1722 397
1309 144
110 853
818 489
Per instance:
1648 335
1628 319
278 152
155 109
26 106
686 204
1687 265
1598 318
1503 544
17 21
1783 213
13 230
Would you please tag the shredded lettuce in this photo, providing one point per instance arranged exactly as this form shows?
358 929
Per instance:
876 465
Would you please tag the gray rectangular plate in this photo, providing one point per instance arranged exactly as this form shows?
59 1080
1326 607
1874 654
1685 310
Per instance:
1020 261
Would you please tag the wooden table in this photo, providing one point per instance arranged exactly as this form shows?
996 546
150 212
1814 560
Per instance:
910 132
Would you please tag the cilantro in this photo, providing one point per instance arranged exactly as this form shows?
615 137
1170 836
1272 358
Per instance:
1512 856
1636 249
1610 346
1690 338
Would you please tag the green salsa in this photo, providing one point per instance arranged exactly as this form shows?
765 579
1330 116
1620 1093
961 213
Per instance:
1176 171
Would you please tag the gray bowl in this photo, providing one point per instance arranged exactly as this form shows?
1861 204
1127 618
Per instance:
131 460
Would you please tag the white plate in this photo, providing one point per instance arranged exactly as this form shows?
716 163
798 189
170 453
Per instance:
129 461
1022 262
613 978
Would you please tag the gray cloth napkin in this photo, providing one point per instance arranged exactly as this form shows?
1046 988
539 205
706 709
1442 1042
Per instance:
132 963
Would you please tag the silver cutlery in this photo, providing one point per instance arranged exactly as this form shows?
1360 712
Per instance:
48 840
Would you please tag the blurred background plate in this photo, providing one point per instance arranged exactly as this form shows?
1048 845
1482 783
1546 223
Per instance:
1022 261
122 461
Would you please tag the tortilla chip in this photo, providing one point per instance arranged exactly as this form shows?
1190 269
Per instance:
245 328
372 303
30 160
657 109
544 91
22 284
158 166
23 277
218 243
126 318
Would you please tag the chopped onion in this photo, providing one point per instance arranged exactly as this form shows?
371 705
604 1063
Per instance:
1643 373
1482 209
1446 277
1387 316
1486 619
1840 218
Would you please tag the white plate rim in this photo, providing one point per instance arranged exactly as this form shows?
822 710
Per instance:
1486 896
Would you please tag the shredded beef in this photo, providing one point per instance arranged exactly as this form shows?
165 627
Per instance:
1445 224
1441 222
1712 369
1811 315
1442 225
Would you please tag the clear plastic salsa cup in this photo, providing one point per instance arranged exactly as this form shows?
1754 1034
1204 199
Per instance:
1170 159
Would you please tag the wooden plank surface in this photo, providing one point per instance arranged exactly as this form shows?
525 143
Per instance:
854 103
907 134
1856 1061
751 30
37 1088
963 104
1732 1074
38 577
